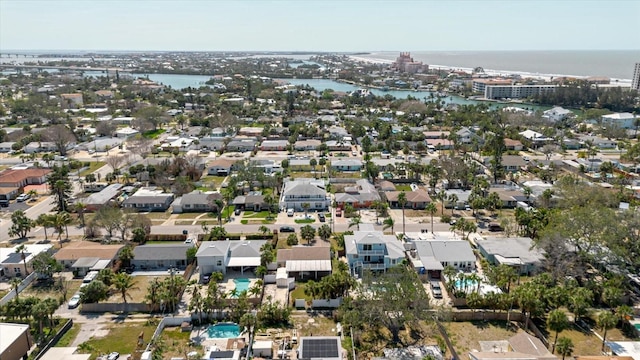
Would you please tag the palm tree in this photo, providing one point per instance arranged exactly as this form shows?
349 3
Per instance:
442 197
355 221
15 284
402 201
453 199
557 321
431 209
264 230
124 282
197 301
388 223
45 220
80 207
33 194
565 346
60 223
20 250
606 321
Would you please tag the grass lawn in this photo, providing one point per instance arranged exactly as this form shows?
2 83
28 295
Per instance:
69 336
177 343
52 291
212 179
320 326
298 293
158 215
138 292
465 336
153 134
227 212
305 221
189 215
93 166
255 215
122 338
403 187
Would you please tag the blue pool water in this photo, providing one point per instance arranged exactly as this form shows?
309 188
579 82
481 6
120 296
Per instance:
223 330
242 284
470 285
637 326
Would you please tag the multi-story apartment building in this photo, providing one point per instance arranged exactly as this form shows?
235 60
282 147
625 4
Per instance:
516 91
635 82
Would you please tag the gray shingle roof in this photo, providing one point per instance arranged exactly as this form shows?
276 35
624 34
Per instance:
161 252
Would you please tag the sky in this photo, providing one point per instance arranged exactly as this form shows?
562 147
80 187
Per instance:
334 25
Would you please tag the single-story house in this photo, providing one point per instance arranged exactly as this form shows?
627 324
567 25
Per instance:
513 145
147 199
418 199
68 255
517 252
242 145
23 177
16 341
432 256
6 146
9 193
333 145
221 167
306 145
12 263
219 256
346 165
253 202
126 132
196 201
84 265
510 163
97 200
160 256
274 145
305 262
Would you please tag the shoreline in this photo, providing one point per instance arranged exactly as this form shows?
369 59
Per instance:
492 72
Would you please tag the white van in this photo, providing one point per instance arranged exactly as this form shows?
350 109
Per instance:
92 275
289 212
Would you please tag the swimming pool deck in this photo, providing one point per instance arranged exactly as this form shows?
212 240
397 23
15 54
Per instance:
199 336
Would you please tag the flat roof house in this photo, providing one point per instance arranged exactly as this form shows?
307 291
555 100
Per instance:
432 256
346 165
304 262
517 252
15 341
147 199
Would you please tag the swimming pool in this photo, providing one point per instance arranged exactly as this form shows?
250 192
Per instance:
242 284
469 285
223 330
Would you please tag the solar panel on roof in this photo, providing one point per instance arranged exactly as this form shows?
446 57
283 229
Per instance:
320 348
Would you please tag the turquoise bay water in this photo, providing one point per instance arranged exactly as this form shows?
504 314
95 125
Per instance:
223 330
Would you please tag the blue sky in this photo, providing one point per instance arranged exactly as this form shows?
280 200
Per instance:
337 25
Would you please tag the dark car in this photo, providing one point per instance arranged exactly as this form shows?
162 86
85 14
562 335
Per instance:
237 212
4 203
284 229
206 279
495 227
321 217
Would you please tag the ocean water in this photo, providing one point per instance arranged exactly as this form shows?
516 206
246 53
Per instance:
616 64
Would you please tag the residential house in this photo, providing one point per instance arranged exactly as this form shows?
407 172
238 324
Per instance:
212 143
9 193
620 120
513 145
221 167
417 200
362 195
84 265
386 186
43 146
18 179
556 114
104 94
254 201
598 142
307 145
274 145
267 166
6 146
320 347
241 145
439 144
304 262
468 136
126 132
74 251
341 145
432 256
510 196
223 256
438 134
510 163
346 165
160 256
71 101
299 164
297 193
105 196
16 341
12 263
197 201
148 199
368 249
250 131
534 139
517 252
521 346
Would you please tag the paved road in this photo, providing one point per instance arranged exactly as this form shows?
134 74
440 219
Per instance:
45 205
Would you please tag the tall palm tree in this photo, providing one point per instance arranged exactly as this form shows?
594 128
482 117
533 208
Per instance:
79 208
442 197
453 199
557 321
402 201
388 223
355 221
431 209
606 321
20 250
124 282
45 220
565 347
60 222
15 284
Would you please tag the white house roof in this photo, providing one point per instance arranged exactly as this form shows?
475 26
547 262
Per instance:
213 248
308 265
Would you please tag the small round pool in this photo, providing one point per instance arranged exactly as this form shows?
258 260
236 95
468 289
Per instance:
223 330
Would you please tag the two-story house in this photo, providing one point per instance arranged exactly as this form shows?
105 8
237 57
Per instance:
220 256
297 193
368 249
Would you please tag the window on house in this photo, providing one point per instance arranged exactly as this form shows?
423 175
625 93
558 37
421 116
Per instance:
219 263
367 258
367 247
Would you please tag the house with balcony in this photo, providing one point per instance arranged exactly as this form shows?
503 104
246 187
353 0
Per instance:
369 249
362 195
234 255
297 193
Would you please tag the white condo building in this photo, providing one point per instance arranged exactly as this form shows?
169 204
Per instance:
635 82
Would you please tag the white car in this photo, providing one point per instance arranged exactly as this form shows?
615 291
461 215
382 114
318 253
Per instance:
74 301
113 356
23 197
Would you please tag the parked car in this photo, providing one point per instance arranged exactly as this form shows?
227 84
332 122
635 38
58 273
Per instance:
290 212
338 212
495 227
23 197
4 203
436 290
113 356
321 217
237 212
284 229
74 301
206 279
